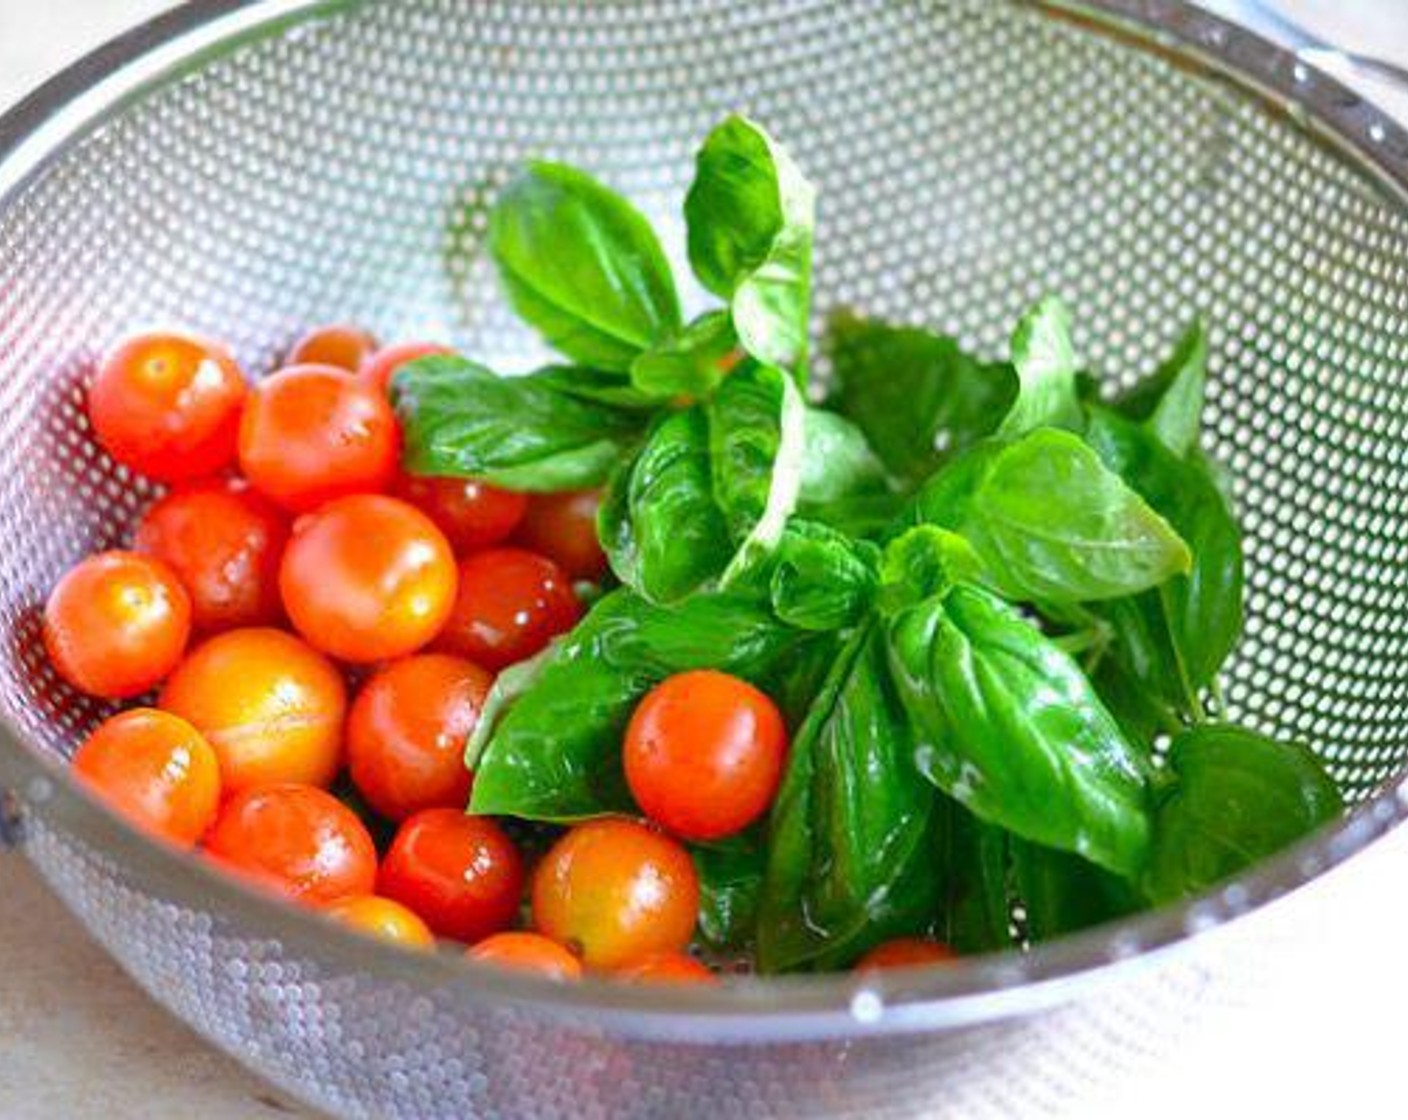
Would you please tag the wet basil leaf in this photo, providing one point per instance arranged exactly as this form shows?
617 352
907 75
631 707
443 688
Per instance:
730 881
821 578
838 464
1045 360
1170 401
1062 893
690 363
973 863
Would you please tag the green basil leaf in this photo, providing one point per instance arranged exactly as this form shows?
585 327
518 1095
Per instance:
1009 726
923 562
750 215
552 751
976 903
916 395
522 433
599 386
583 266
1239 797
1062 893
689 363
1170 401
730 881
852 833
1045 361
821 578
838 464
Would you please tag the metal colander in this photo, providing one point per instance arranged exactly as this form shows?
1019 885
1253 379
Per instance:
248 170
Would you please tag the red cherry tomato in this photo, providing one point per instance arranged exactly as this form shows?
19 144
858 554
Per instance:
341 346
168 406
383 919
667 968
617 891
271 706
510 604
904 952
384 364
224 542
368 578
116 624
297 841
314 433
156 770
471 514
460 873
704 754
527 952
407 731
562 527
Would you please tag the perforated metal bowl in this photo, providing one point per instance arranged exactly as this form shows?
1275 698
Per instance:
251 169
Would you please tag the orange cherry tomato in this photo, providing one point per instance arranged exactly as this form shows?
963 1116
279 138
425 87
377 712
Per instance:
168 406
385 363
904 952
527 952
704 754
368 578
616 891
156 770
562 527
667 968
341 346
407 730
461 874
383 919
116 624
224 542
271 706
297 841
314 433
511 603
471 514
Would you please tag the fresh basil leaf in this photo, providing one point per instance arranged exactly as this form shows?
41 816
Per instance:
861 516
973 861
923 562
821 578
1008 725
583 266
1062 893
552 752
1239 797
916 395
599 386
1142 712
750 215
838 464
1045 360
730 881
522 433
1170 401
689 363
852 833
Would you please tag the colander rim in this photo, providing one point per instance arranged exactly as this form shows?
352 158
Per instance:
69 106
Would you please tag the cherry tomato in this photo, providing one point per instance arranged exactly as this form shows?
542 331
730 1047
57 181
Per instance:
298 841
903 952
527 952
471 514
368 578
224 543
704 754
460 873
341 346
562 527
510 604
407 731
667 968
168 406
616 891
384 364
156 770
383 919
116 624
314 433
271 706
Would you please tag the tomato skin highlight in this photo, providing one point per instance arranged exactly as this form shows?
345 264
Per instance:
461 874
527 952
368 578
905 952
383 919
156 770
383 366
667 968
341 346
116 624
224 543
617 891
562 527
270 705
311 434
296 841
704 754
407 730
510 604
473 515
168 405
